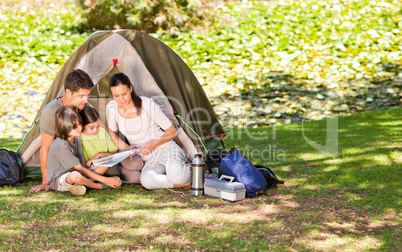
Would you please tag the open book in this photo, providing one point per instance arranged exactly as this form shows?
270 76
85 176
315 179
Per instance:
111 160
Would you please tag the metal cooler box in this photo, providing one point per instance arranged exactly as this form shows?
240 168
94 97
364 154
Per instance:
223 189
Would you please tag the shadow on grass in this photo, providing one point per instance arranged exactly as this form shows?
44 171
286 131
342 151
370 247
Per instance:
135 219
369 152
342 197
349 202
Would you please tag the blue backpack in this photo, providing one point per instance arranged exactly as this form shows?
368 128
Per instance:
12 171
237 166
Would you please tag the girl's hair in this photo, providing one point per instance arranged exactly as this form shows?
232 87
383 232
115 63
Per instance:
121 78
67 119
89 115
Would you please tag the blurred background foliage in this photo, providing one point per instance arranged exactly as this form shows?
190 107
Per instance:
260 62
171 16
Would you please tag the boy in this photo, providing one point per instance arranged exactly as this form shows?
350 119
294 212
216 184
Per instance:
65 170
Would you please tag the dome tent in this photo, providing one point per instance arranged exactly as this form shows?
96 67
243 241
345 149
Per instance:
155 71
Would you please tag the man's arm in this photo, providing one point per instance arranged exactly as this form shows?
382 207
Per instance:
46 141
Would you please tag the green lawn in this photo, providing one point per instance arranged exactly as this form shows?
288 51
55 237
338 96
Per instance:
348 202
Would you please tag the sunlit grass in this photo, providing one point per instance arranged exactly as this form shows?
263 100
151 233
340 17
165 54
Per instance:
351 202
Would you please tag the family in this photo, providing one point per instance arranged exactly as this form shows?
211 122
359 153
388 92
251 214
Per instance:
72 136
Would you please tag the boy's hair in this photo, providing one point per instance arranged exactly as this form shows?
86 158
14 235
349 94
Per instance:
67 119
89 115
78 79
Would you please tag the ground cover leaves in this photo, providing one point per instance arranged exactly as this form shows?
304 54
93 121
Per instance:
264 63
284 61
35 43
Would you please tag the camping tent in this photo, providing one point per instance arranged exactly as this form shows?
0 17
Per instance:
155 71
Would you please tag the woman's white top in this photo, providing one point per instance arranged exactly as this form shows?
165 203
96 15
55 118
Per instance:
139 130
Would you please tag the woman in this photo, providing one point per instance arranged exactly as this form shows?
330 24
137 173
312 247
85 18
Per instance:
146 127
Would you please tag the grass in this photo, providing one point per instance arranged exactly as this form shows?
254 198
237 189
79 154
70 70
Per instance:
350 202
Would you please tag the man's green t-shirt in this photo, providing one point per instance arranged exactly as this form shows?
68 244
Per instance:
99 143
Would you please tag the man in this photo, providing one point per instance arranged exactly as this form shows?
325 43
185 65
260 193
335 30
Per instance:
77 87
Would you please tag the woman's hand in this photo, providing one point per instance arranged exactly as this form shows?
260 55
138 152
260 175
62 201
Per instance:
148 148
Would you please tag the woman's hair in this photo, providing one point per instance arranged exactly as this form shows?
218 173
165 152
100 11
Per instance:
121 78
67 119
89 115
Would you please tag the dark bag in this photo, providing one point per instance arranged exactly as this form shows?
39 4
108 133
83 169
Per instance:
269 176
213 160
11 168
236 165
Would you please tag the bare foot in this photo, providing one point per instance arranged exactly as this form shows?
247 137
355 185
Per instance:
182 185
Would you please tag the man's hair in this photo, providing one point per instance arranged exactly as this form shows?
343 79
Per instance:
78 79
67 119
89 115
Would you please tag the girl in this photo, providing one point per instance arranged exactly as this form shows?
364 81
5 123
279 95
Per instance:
146 127
65 170
96 143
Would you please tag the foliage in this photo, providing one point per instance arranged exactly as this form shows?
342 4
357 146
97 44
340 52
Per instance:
34 44
347 203
283 61
173 16
263 63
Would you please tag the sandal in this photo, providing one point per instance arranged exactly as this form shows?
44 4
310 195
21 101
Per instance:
105 187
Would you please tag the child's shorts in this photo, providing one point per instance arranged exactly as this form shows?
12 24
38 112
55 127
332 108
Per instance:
62 184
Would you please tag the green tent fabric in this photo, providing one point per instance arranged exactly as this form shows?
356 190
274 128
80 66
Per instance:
155 71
